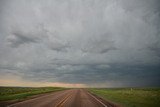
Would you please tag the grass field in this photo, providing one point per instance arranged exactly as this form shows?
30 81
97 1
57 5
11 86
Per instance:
127 97
18 93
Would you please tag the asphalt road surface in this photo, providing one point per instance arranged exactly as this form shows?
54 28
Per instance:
67 98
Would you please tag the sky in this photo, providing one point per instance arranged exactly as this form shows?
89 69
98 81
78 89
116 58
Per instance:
80 43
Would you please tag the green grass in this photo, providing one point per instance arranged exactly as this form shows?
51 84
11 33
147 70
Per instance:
19 93
137 97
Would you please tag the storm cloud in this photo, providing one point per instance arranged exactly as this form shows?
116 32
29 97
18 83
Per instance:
94 43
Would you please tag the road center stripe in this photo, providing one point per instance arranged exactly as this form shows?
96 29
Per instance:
63 101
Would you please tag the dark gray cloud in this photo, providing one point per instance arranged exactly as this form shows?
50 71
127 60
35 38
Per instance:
102 44
18 38
93 42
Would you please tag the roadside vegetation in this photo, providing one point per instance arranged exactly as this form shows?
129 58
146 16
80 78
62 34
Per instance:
130 97
19 93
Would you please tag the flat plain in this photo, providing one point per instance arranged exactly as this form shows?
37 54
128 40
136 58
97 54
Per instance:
130 97
64 98
95 97
19 93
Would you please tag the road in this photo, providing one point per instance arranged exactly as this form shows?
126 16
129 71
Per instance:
67 98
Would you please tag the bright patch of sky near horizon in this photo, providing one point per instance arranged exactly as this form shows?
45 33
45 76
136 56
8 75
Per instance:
80 43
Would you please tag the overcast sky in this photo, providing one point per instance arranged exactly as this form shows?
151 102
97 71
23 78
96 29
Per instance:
80 43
